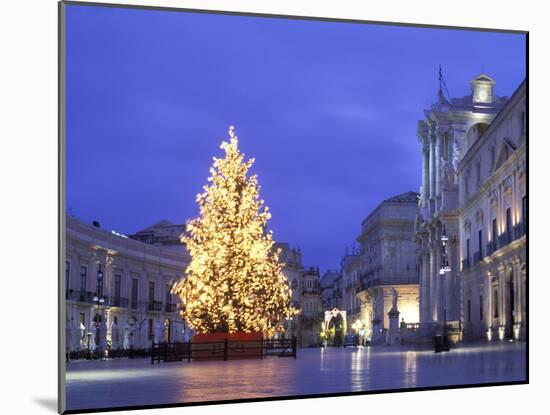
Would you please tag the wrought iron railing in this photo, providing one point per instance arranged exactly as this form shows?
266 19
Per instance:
389 281
154 305
477 257
80 296
519 230
119 302
170 308
504 239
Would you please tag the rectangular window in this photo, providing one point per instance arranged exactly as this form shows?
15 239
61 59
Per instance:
508 224
495 304
469 311
134 293
99 285
118 281
83 272
308 283
481 307
67 274
522 124
468 249
151 291
479 242
524 213
494 232
82 319
168 294
512 297
150 328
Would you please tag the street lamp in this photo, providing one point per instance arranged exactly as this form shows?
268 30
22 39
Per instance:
445 268
98 301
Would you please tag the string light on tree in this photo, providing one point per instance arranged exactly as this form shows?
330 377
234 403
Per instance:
234 281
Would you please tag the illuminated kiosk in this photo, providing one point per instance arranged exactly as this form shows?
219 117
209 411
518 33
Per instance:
330 317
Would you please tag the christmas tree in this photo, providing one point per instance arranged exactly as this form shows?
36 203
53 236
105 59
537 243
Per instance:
234 281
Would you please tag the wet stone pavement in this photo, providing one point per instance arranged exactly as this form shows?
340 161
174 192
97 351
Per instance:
129 382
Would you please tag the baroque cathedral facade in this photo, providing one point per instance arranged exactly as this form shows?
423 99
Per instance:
472 220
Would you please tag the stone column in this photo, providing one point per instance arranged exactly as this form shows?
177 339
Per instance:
433 282
450 280
433 168
501 297
437 165
425 174
425 288
487 309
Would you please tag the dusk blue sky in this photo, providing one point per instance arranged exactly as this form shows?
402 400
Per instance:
328 110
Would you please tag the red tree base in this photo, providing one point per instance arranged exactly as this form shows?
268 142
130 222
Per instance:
227 346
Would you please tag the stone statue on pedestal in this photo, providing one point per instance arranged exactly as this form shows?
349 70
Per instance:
393 336
394 299
457 154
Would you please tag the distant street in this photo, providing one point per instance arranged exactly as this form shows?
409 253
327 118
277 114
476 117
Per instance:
125 382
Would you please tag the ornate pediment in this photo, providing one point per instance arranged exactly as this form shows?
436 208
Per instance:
506 150
467 226
479 217
507 184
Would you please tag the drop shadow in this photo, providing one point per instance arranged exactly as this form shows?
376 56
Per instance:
48 403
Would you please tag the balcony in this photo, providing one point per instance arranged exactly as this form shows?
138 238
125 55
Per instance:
295 304
477 257
504 239
519 230
375 282
170 308
80 296
119 302
465 264
154 306
491 247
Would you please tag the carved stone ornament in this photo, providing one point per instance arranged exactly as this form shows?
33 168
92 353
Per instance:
457 154
467 226
479 216
507 184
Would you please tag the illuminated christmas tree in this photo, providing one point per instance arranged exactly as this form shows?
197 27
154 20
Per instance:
234 281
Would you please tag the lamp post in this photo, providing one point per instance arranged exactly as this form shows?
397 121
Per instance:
98 301
445 268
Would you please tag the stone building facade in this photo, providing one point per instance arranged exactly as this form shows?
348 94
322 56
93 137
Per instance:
472 181
334 319
118 290
310 317
445 134
387 260
492 180
304 283
331 290
351 303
